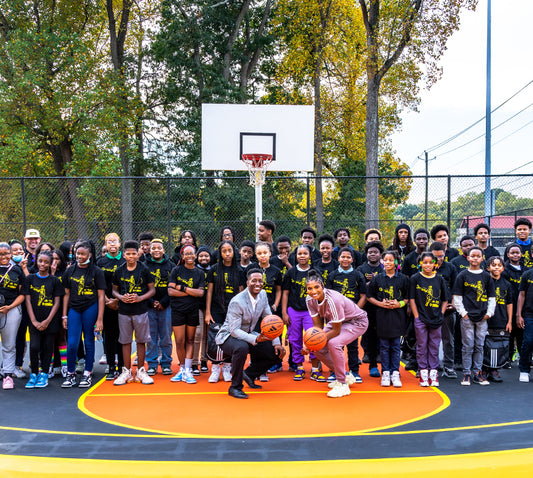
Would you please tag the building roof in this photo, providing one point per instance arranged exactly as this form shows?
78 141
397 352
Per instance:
496 222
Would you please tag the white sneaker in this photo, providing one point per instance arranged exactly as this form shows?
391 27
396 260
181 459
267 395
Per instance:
339 390
124 377
143 377
103 360
424 375
226 372
264 378
64 371
434 378
178 376
19 373
395 379
350 379
524 377
187 376
215 373
385 379
333 384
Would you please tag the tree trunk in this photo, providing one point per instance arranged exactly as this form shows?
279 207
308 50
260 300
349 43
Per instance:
372 143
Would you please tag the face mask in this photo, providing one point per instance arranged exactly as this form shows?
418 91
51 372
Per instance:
85 263
17 258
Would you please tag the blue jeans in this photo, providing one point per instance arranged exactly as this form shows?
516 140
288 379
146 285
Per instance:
77 323
473 334
389 349
527 346
161 333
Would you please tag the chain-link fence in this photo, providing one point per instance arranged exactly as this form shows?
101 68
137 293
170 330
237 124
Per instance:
71 208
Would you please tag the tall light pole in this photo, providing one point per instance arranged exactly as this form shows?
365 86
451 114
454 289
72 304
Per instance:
488 127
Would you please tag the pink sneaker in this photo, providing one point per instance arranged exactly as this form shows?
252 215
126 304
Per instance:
7 383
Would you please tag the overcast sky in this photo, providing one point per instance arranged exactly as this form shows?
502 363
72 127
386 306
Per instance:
458 99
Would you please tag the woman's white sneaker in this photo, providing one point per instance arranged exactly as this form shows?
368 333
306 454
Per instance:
339 390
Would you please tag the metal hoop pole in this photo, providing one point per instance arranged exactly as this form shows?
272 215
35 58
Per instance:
258 208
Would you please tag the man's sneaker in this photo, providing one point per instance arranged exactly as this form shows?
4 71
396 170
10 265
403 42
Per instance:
357 378
480 379
142 377
494 376
103 360
215 373
167 371
70 381
317 376
374 372
226 372
332 377
299 374
524 377
339 390
434 378
449 373
110 376
264 378
42 380
151 371
395 379
350 378
424 375
7 383
32 381
64 371
276 368
203 367
124 377
195 370
466 379
86 380
19 373
385 379
188 377
80 367
178 376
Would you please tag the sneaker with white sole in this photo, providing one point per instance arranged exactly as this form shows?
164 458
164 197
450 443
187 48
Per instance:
349 378
85 380
357 378
142 377
424 378
226 372
103 360
178 376
51 372
524 377
42 380
339 390
333 384
70 381
124 377
32 381
188 377
395 379
434 378
64 371
19 373
264 378
385 379
215 373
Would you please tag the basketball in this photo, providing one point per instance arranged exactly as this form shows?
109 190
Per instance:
315 338
272 326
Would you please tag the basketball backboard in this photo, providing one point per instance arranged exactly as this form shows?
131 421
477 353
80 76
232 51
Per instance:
230 130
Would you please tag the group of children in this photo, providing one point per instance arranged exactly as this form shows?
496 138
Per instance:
416 297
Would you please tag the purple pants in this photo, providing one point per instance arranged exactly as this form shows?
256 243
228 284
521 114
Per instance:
300 322
427 345
333 353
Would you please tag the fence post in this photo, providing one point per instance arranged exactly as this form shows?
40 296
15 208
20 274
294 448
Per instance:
308 201
449 208
169 212
23 202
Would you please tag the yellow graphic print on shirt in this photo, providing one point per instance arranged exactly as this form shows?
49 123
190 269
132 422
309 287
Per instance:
43 300
528 263
160 281
303 286
345 291
7 283
228 288
431 300
478 286
500 299
186 282
266 287
388 293
82 290
133 288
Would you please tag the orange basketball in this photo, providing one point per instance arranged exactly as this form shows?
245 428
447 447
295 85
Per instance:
315 338
272 326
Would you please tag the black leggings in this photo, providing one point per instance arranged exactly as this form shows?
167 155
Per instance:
41 347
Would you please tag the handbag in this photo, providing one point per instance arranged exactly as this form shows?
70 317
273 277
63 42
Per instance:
213 351
496 349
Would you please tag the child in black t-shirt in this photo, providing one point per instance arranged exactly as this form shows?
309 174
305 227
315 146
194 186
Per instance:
43 293
326 264
246 252
428 298
199 361
133 285
474 298
522 228
501 322
524 319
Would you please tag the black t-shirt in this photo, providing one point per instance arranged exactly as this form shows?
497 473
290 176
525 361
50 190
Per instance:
364 269
390 323
272 278
326 269
451 253
504 297
160 272
513 276
449 273
191 278
276 262
315 257
490 251
42 292
109 265
461 263
410 264
295 281
357 258
403 252
526 285
13 281
84 284
232 282
350 284
429 294
475 290
132 282
527 255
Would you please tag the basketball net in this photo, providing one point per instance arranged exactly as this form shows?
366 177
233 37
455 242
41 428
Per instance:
257 165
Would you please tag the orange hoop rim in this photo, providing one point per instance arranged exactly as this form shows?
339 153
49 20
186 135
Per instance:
257 160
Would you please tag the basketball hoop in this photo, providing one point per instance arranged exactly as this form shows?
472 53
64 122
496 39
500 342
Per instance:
257 165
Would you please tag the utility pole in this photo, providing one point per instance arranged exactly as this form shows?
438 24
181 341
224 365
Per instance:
488 125
427 160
